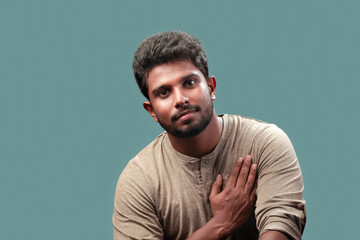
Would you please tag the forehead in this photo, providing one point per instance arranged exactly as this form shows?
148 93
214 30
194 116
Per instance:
171 72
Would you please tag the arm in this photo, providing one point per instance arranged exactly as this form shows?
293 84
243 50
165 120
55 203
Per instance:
273 235
232 207
279 206
134 214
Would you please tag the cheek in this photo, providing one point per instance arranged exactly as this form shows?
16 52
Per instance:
162 110
206 97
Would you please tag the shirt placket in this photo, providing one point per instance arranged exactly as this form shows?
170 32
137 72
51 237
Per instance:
205 171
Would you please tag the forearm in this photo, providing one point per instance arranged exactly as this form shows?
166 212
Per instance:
273 235
211 231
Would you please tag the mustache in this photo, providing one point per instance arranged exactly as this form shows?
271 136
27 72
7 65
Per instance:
177 115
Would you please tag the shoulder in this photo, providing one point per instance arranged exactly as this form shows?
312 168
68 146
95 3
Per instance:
250 129
253 126
256 137
244 124
140 172
145 160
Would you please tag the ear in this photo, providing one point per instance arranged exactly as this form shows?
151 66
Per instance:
211 82
148 107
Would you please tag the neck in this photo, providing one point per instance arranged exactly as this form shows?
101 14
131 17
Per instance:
201 144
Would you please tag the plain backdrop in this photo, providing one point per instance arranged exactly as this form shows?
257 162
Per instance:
71 115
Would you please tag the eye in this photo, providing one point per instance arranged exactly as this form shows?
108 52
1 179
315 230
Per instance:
190 82
163 92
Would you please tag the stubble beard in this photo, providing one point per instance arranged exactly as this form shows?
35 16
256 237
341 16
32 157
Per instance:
191 129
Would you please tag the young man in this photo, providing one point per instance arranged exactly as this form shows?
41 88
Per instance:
198 179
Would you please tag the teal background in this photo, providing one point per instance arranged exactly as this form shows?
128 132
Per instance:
71 114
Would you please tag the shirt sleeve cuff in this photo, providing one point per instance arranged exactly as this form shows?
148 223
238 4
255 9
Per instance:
282 225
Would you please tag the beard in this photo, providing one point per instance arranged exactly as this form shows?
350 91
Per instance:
191 127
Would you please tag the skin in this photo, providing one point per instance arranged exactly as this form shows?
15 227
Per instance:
175 78
175 86
270 235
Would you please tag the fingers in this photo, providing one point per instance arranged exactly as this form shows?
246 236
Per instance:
216 187
253 193
249 186
243 176
234 173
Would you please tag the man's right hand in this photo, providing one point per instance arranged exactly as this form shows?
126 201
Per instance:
231 207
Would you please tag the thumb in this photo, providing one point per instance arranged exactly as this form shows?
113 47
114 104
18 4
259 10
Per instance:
216 187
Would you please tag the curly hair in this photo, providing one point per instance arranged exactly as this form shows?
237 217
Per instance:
167 47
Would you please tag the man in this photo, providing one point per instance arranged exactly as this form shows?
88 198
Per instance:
198 179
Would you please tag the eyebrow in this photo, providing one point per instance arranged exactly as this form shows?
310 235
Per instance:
156 90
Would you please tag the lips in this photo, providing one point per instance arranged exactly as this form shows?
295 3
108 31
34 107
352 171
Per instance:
184 112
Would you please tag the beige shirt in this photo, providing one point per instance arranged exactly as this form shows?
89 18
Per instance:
163 194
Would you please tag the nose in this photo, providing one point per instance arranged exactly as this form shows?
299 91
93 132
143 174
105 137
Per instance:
180 99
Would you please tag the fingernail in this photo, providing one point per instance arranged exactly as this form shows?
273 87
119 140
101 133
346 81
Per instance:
240 160
254 166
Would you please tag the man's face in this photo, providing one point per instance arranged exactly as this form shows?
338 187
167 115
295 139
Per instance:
180 98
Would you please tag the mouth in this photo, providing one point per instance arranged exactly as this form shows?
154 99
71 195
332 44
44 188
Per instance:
185 113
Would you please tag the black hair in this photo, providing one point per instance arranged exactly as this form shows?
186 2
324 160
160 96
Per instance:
167 47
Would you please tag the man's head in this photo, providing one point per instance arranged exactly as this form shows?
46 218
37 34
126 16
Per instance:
172 73
167 47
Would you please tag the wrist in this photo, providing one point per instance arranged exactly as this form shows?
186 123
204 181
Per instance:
214 229
220 229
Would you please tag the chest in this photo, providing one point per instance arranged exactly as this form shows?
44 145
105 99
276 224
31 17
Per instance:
183 204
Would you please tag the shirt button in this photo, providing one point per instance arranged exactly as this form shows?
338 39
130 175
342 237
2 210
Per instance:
197 166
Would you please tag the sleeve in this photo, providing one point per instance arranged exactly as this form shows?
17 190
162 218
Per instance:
280 205
134 214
